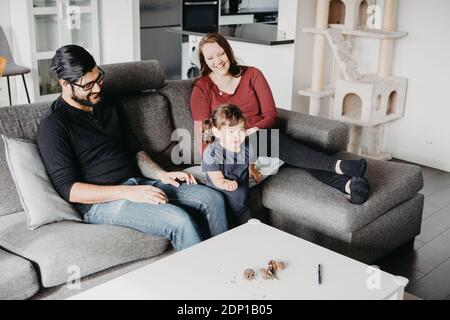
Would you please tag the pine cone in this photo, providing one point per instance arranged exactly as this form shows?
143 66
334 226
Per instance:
267 274
281 265
249 274
272 265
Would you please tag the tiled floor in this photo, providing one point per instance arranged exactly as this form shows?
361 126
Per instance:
427 264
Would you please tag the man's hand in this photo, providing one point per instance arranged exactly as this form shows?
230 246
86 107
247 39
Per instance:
145 194
254 173
172 177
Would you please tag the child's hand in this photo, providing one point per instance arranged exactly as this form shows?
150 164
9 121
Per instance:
230 185
255 174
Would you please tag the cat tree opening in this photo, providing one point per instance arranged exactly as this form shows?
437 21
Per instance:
362 21
352 106
337 12
392 103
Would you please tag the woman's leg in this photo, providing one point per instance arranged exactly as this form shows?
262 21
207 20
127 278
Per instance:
357 187
344 175
335 180
295 153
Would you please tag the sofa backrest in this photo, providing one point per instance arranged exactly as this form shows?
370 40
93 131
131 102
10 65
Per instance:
137 85
178 93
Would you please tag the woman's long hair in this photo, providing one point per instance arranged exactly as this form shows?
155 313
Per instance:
236 70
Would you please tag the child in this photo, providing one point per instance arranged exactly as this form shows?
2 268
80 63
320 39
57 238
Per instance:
229 160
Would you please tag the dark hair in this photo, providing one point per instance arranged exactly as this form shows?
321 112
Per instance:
225 115
71 62
235 69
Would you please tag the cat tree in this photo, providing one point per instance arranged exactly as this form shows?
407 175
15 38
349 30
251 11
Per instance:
366 102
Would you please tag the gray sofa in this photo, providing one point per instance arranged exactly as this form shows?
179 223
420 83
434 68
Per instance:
38 263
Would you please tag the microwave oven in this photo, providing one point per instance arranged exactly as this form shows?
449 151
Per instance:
200 14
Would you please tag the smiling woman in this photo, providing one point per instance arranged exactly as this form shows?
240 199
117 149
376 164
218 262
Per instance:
224 81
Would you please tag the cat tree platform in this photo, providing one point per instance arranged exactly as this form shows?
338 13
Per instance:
370 101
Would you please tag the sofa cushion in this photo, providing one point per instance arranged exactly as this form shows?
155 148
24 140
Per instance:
56 247
150 119
39 199
131 77
18 278
295 192
178 93
16 122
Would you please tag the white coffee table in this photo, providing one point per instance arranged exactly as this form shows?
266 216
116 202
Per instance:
214 269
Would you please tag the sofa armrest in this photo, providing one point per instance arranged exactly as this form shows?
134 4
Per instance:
329 136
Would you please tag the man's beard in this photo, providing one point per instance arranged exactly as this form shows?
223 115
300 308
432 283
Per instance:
85 102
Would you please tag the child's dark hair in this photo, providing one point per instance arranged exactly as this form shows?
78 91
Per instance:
225 115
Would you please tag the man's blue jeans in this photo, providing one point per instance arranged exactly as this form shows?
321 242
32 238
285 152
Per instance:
181 220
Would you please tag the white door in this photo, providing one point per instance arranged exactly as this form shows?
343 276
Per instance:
56 23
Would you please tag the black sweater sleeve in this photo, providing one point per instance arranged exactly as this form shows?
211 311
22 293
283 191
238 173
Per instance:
132 141
57 155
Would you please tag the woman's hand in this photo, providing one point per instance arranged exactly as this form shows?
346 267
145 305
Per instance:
251 131
254 173
172 177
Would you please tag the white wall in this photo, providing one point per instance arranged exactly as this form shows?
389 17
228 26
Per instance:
303 54
423 135
119 31
287 21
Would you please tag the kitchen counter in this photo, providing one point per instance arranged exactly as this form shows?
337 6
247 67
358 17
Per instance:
256 33
226 12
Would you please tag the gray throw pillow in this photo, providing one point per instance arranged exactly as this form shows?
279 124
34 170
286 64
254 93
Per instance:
39 199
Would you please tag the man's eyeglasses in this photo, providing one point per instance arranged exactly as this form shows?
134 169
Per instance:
88 86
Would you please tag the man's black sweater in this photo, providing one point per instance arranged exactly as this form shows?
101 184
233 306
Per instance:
95 148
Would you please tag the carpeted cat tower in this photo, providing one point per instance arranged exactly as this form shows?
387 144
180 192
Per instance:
366 102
